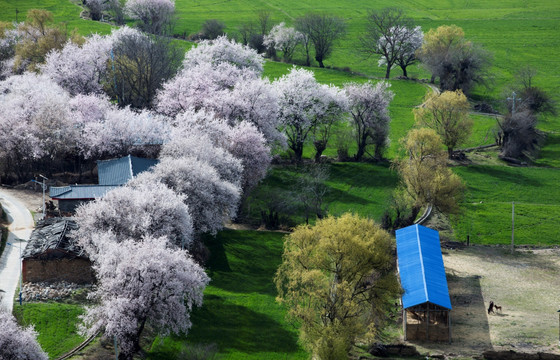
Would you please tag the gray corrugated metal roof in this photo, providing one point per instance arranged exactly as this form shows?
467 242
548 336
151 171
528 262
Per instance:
52 234
421 267
80 191
120 171
57 191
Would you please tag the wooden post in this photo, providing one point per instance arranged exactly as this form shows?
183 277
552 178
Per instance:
427 321
404 320
512 223
449 324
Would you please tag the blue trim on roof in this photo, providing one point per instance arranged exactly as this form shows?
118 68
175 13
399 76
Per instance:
421 267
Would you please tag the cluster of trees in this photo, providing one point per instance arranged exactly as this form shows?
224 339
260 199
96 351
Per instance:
153 16
145 238
312 32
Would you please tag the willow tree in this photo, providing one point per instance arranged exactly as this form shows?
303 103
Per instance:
338 280
425 177
448 115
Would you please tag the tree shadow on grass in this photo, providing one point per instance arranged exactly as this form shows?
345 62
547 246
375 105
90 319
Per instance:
506 174
362 174
240 328
233 328
245 261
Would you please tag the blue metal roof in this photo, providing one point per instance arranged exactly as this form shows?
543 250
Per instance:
120 171
76 192
421 267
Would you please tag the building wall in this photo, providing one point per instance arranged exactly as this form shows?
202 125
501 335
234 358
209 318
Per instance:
438 328
70 205
76 270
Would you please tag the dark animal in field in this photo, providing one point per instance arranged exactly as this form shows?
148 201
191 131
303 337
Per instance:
491 307
497 307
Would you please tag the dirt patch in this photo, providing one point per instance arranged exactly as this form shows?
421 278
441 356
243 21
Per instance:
33 200
524 284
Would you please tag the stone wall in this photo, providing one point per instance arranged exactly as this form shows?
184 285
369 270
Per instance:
76 270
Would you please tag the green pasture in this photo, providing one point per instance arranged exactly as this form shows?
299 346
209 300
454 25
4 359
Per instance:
240 315
487 207
359 188
517 32
65 12
54 322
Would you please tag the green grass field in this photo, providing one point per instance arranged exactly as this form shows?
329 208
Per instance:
487 209
240 314
517 32
64 12
55 323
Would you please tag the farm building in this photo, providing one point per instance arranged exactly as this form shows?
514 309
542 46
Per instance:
51 255
111 174
426 302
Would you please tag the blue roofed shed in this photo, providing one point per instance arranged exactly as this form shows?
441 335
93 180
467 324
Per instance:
426 302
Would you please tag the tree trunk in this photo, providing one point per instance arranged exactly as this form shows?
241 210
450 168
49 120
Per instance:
449 151
433 79
378 152
361 147
404 73
298 152
320 61
320 146
388 72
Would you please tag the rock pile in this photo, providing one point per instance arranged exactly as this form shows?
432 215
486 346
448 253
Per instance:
50 291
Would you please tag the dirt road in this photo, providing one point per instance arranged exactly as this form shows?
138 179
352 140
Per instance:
21 226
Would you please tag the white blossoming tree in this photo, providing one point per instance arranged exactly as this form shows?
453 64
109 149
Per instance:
17 342
142 281
285 39
369 107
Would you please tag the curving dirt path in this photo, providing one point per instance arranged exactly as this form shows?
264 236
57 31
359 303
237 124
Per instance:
21 226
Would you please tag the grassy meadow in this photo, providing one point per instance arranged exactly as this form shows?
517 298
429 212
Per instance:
240 315
55 323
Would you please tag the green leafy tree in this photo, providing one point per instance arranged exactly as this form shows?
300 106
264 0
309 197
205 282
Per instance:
448 115
338 280
38 36
425 176
458 63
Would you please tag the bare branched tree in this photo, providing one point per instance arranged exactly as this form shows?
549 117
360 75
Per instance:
312 191
323 31
140 64
388 33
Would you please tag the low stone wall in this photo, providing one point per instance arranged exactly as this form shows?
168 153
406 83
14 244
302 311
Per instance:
76 270
43 291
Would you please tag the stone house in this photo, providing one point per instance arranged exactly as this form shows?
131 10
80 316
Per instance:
51 255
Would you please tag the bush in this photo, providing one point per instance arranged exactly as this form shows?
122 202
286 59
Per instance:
212 29
199 352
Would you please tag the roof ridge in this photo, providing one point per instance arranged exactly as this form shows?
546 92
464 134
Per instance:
130 167
422 264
